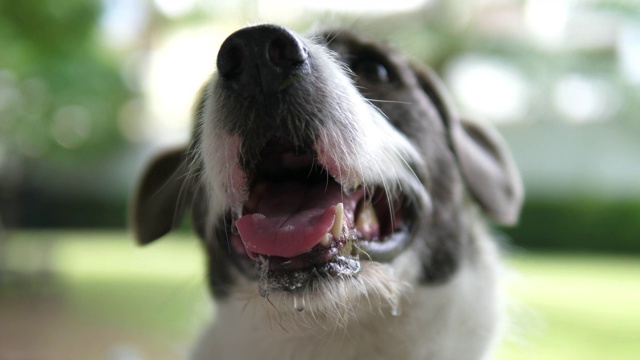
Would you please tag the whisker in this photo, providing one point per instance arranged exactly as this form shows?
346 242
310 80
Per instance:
333 36
389 101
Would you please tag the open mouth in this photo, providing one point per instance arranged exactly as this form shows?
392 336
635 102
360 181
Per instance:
299 223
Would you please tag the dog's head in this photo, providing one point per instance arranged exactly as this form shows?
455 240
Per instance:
319 166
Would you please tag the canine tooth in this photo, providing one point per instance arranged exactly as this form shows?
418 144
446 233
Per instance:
326 240
336 230
367 219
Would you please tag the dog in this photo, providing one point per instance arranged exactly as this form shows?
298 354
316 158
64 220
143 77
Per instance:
341 202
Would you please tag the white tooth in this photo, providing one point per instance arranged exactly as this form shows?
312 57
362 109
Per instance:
367 218
336 229
326 240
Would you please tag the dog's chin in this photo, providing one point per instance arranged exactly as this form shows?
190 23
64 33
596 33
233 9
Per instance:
332 299
305 279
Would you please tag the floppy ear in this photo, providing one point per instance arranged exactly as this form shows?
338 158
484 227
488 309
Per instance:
159 204
485 162
489 170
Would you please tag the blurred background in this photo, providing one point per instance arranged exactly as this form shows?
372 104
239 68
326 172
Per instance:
90 90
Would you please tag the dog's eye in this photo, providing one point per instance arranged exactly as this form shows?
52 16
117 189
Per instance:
372 71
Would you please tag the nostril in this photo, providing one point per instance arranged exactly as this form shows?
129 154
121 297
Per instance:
286 52
231 61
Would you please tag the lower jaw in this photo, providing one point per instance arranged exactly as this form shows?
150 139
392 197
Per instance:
294 281
340 261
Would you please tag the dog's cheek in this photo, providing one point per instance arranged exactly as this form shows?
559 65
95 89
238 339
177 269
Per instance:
447 240
219 260
414 115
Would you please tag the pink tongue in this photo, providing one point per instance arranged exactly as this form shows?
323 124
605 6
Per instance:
290 218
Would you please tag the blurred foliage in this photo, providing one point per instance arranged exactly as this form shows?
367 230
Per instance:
626 8
579 224
60 92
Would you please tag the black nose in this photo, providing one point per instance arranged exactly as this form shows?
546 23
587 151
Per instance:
261 59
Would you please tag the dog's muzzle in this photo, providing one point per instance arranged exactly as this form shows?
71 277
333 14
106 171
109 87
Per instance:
301 206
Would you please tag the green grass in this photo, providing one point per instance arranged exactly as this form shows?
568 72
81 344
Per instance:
562 306
575 307
105 278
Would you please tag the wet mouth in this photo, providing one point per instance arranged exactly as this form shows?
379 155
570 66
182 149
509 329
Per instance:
299 224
